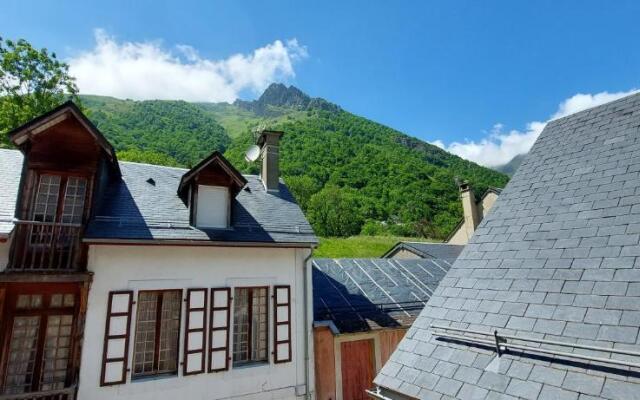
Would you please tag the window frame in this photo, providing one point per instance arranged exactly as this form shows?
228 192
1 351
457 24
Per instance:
62 192
44 311
242 364
158 331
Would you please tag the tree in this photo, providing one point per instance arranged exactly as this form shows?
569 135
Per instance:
147 157
302 187
335 211
32 82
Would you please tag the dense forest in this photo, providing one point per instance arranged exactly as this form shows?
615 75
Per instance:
350 175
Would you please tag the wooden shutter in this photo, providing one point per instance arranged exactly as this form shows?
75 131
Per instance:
195 332
219 323
115 353
282 323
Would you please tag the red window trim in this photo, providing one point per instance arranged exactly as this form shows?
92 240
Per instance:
203 348
277 323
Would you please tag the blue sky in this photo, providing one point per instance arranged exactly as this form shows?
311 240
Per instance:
478 78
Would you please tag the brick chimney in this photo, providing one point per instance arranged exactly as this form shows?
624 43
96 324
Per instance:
269 142
469 208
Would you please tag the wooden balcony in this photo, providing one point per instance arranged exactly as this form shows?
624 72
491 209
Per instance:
46 247
60 394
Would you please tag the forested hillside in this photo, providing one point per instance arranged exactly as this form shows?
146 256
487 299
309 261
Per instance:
350 174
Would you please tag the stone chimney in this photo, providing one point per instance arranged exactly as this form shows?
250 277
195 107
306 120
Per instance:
469 208
269 142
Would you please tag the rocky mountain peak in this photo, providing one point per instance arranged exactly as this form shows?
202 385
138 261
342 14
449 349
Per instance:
279 95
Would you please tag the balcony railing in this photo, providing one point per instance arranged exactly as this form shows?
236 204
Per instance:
60 394
46 246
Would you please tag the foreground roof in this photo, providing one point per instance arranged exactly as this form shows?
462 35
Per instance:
360 294
11 169
144 205
428 250
558 259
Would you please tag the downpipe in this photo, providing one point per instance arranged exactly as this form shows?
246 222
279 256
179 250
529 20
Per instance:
308 325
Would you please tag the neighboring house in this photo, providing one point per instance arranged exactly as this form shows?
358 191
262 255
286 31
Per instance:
473 213
131 281
544 302
362 309
415 250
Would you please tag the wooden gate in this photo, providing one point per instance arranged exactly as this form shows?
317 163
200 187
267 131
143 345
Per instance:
358 368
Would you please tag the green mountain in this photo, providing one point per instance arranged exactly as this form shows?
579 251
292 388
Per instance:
350 174
511 167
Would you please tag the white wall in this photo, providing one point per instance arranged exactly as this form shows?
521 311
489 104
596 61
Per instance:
170 267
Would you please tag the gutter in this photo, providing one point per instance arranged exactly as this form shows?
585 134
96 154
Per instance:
377 394
187 242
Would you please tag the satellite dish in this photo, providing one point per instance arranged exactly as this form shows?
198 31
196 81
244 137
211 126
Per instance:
252 153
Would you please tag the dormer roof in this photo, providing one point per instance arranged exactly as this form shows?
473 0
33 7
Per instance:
25 133
215 161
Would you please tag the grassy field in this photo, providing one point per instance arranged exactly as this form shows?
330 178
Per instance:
358 246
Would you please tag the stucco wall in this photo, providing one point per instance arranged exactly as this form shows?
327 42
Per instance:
165 267
486 203
460 237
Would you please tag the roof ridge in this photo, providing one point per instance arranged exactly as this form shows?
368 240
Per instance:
152 165
634 93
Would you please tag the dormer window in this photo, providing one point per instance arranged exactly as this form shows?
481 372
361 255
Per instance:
213 207
209 189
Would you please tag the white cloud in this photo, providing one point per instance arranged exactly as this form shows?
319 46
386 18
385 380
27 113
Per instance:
499 147
147 70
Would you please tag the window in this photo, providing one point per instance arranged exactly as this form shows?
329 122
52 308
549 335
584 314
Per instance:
39 342
212 209
157 333
46 203
74 200
250 325
45 207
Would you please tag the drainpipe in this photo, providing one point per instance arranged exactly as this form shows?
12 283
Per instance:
307 324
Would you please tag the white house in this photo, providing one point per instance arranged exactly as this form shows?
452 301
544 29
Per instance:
132 281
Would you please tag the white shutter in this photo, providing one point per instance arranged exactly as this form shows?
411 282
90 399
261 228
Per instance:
195 332
282 324
115 352
219 323
213 207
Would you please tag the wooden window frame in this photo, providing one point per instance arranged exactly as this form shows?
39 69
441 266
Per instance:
228 309
277 323
62 191
187 330
10 297
250 312
157 337
126 336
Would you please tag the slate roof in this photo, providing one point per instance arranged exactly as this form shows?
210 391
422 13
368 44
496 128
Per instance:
557 258
132 208
428 250
363 294
11 169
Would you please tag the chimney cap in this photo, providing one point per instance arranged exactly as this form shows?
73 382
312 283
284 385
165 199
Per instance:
464 186
267 134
